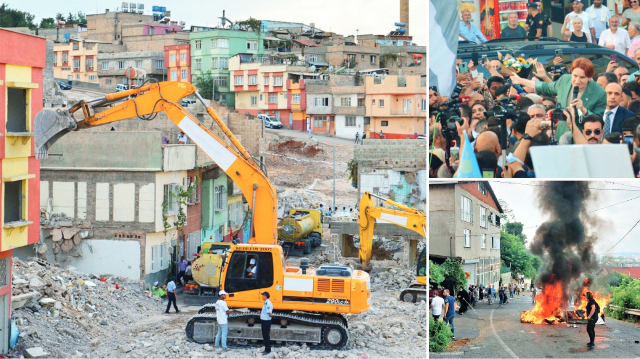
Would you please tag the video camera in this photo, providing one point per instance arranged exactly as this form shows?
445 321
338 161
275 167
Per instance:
504 109
449 113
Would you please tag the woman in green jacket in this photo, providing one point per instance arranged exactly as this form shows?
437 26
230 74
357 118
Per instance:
591 98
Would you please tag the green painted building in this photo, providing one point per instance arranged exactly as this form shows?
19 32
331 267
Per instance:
211 50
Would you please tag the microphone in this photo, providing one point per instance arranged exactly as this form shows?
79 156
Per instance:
575 92
457 100
511 98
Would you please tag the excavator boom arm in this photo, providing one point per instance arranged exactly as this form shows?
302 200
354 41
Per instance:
406 217
163 97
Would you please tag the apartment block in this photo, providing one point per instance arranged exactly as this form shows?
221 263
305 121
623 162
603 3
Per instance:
464 222
117 204
396 106
355 58
320 106
76 61
349 110
177 59
211 51
112 66
22 62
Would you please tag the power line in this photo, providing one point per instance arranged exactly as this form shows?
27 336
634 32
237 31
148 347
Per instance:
634 226
622 184
592 188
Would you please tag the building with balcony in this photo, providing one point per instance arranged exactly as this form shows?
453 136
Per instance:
177 59
349 110
320 106
211 51
112 66
112 213
76 61
22 62
354 58
396 106
464 222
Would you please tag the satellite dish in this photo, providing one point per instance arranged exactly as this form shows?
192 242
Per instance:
330 68
313 68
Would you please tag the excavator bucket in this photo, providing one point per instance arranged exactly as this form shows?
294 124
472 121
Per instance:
49 126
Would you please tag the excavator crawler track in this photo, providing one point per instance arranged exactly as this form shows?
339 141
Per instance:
328 334
413 293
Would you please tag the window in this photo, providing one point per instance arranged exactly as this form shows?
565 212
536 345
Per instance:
380 103
65 58
238 80
237 280
174 75
481 188
224 63
55 60
254 100
321 101
361 57
467 238
318 121
273 98
295 99
89 63
105 66
191 182
170 193
139 64
76 64
215 62
184 74
198 44
183 56
159 64
220 81
373 59
198 64
93 78
484 241
384 123
219 43
120 65
252 45
483 217
495 242
465 210
350 121
172 57
266 80
150 30
423 104
78 77
345 101
253 79
313 58
16 110
220 198
277 81
13 201
407 106
160 257
361 102
107 82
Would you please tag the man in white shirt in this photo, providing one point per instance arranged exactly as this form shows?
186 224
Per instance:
600 15
252 270
265 321
615 38
437 303
587 20
182 138
222 315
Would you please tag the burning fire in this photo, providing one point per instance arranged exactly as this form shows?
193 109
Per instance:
550 307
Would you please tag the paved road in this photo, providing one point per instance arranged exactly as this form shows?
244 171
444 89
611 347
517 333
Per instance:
496 332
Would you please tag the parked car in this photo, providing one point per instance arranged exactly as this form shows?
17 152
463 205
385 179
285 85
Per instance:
64 86
544 51
270 121
121 87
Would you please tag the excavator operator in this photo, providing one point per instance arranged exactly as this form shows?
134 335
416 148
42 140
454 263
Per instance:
253 269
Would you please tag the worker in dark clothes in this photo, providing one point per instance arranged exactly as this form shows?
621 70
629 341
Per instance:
593 309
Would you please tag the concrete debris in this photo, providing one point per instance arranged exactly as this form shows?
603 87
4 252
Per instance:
56 234
36 352
42 249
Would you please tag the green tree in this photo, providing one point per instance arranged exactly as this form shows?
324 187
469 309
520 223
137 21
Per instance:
59 16
515 255
15 18
82 18
204 85
436 274
454 274
254 24
48 23
71 19
439 335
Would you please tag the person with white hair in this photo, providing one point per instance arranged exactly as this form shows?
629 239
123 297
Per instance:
252 271
634 34
614 37
577 34
469 31
537 100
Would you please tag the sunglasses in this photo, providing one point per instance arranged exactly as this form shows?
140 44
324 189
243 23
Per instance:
595 132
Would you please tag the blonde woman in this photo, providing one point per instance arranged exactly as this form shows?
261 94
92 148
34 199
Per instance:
577 35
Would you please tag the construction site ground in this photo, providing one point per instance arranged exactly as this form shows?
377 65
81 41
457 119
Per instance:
494 331
69 314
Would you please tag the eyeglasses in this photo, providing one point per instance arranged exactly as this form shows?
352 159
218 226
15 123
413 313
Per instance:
595 132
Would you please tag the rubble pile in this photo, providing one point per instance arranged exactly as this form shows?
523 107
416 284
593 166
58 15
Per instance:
63 311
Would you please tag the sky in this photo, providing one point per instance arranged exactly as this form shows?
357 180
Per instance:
613 222
343 17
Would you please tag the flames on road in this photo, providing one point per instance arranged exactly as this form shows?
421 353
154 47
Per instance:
550 307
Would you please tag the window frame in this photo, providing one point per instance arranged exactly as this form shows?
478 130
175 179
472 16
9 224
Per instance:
277 81
273 98
198 44
466 216
467 238
238 80
295 99
254 78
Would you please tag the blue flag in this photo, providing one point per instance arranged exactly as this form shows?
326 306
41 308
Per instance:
468 167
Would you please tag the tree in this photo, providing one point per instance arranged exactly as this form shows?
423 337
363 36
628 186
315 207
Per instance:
71 19
48 23
15 18
254 24
204 85
82 19
436 274
454 274
59 16
515 228
514 254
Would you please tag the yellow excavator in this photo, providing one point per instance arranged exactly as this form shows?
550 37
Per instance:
402 216
309 304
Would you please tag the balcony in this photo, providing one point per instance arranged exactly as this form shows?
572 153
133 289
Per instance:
403 112
349 110
178 157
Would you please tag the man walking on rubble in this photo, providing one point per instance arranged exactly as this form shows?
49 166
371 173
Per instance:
265 321
171 295
222 315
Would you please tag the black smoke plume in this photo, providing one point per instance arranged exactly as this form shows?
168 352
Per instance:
562 242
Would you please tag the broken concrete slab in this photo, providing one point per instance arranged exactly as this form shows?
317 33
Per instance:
77 238
35 283
56 233
47 301
67 245
36 352
20 300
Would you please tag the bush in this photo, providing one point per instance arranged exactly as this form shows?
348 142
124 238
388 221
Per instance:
439 335
625 295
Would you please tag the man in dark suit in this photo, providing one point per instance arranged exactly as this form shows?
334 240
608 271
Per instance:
614 114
